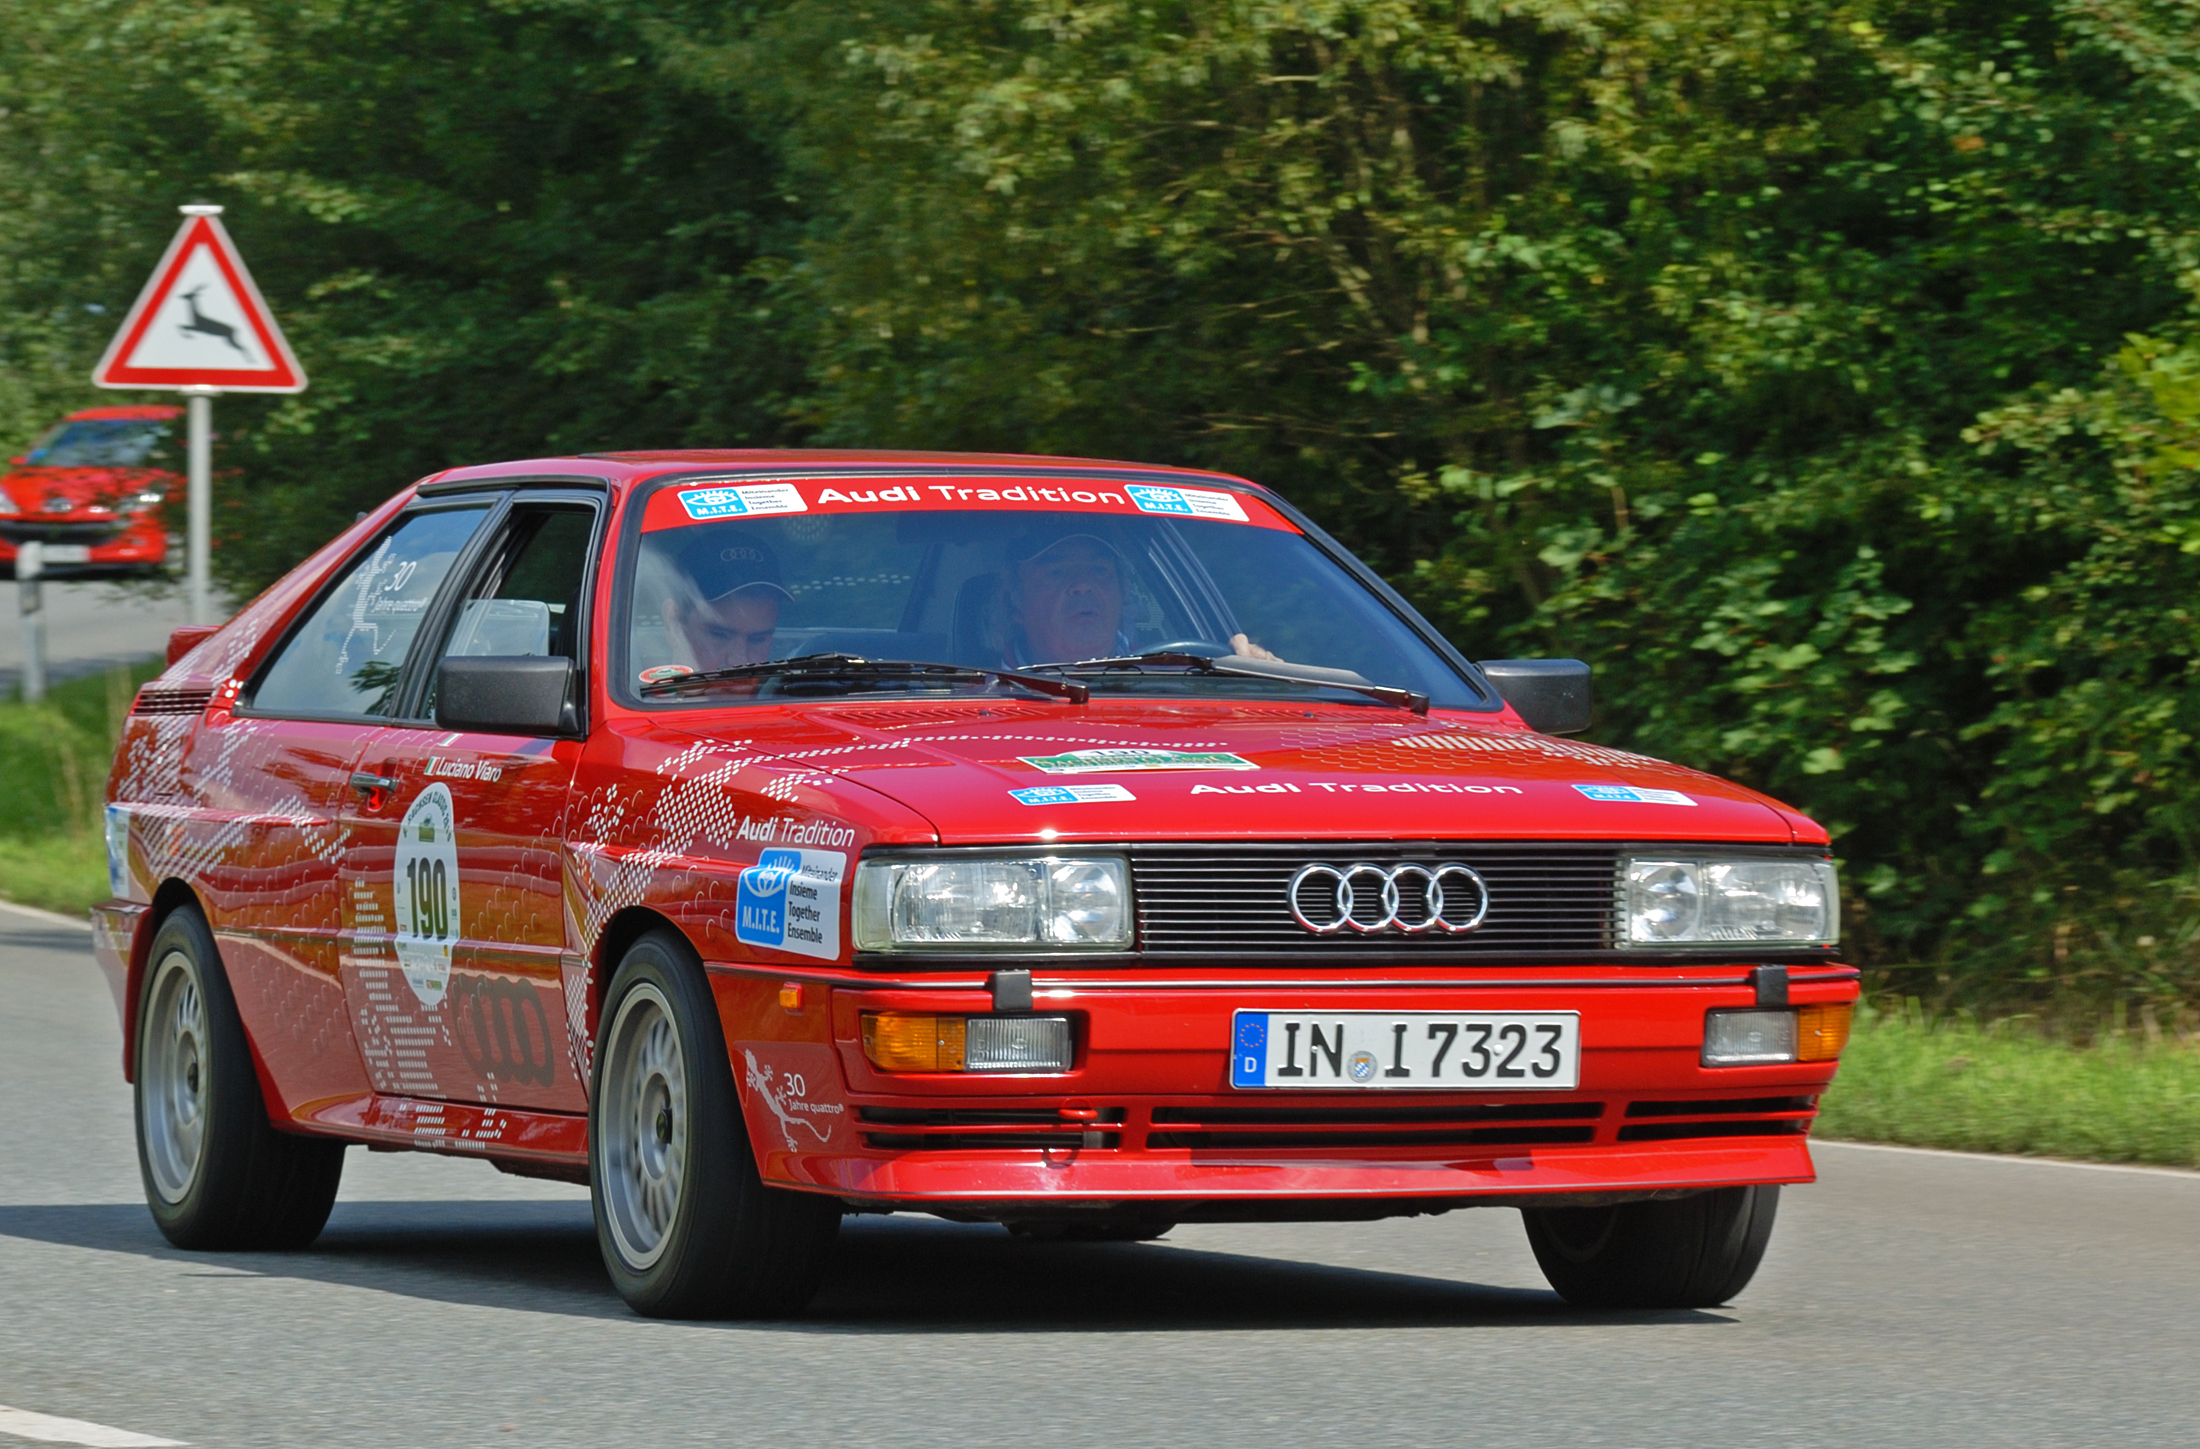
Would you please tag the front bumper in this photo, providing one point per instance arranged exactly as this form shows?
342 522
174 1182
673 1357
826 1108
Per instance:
94 545
1147 1115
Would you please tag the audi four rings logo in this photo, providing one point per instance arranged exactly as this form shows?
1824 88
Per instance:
1450 898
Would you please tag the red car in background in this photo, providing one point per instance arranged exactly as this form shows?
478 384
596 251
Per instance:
759 837
91 489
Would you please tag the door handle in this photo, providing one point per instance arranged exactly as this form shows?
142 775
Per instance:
374 790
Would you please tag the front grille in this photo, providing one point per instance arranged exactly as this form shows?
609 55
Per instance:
940 1129
1220 901
1679 1131
172 701
1758 1117
1527 1124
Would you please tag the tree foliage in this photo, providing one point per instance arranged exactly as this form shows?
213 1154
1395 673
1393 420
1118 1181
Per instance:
1823 370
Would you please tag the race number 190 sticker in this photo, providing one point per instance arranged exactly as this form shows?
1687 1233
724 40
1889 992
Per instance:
790 901
743 499
1186 502
427 894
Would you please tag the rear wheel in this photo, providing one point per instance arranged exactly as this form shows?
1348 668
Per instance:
1689 1252
687 1227
217 1173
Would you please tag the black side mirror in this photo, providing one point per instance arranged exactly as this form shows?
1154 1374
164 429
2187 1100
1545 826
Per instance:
505 694
1552 695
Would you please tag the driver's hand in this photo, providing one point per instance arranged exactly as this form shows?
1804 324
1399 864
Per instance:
1245 648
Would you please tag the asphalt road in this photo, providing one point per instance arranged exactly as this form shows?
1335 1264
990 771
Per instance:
1908 1299
91 625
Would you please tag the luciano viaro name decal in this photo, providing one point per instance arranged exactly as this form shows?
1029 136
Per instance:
427 894
790 901
1093 762
1341 787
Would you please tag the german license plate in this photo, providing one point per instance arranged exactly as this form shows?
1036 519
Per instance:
1537 1051
68 553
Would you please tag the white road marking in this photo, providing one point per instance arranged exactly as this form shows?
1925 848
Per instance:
2183 1172
51 918
47 1429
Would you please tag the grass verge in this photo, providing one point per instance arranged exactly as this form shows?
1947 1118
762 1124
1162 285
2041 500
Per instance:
54 757
2006 1088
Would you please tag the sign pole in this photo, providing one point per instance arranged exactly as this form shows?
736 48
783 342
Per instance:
30 563
199 402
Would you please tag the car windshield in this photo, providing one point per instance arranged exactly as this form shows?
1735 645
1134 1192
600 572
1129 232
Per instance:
100 443
721 585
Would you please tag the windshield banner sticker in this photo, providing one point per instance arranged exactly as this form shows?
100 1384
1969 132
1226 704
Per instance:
427 893
1186 502
1070 794
1096 762
1634 795
743 499
790 901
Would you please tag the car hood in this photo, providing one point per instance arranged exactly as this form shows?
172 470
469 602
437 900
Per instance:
1009 771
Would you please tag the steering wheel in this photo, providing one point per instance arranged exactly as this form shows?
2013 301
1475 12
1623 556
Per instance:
1201 647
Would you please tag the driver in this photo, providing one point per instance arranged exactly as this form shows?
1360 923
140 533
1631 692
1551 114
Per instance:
1065 601
728 612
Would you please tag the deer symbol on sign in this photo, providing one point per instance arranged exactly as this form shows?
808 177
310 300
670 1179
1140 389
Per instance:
201 323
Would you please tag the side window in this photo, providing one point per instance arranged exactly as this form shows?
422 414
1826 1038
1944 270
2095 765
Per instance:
527 597
350 654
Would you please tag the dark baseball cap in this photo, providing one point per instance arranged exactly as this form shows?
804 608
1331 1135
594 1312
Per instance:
1044 538
725 561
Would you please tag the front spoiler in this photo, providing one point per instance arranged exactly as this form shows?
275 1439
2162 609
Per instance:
987 1184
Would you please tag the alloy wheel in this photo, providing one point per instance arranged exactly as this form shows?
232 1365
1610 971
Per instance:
644 1121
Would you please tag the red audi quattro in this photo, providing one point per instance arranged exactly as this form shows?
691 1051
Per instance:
1086 847
90 490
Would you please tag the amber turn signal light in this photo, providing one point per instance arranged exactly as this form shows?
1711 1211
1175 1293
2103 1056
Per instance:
896 1041
1822 1031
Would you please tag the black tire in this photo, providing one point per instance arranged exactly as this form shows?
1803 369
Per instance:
1690 1252
687 1227
217 1173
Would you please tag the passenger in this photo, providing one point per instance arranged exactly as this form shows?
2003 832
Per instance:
1065 601
728 610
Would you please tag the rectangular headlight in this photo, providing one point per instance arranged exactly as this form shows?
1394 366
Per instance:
1679 901
994 903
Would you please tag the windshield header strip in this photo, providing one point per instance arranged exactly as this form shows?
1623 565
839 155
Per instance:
688 502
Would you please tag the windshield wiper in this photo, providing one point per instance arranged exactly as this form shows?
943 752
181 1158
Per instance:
855 666
1238 666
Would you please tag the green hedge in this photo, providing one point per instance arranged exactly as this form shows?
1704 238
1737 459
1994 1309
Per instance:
2127 1097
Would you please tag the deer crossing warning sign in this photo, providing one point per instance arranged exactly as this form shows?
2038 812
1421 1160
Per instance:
201 323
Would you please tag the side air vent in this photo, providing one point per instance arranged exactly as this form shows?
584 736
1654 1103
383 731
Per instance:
152 701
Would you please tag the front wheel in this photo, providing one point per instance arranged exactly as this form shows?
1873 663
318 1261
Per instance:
687 1227
217 1173
1689 1252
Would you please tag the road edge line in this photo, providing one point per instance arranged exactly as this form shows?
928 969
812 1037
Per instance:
53 1429
51 918
2144 1169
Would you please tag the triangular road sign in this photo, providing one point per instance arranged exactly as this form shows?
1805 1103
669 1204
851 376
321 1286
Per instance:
201 323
